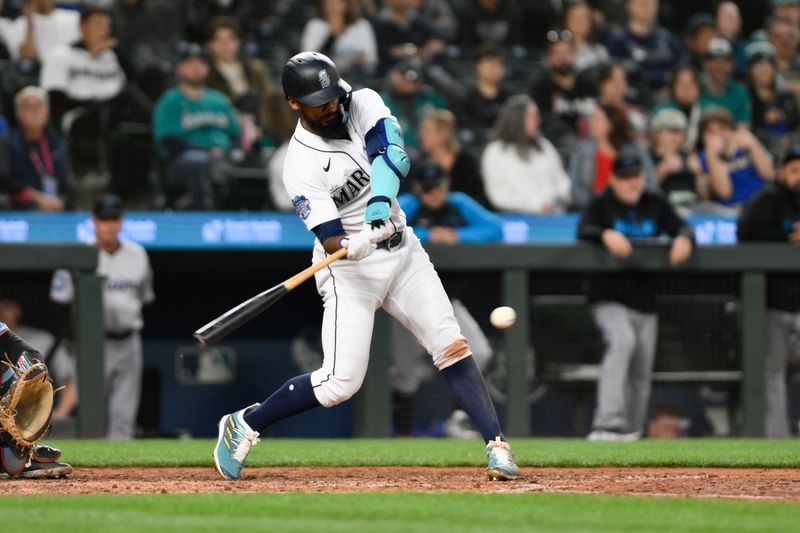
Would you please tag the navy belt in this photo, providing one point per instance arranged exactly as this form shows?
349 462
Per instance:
392 242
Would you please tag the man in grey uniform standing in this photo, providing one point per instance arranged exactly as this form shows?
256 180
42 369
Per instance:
127 286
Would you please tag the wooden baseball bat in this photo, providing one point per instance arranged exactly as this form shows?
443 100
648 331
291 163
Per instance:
230 321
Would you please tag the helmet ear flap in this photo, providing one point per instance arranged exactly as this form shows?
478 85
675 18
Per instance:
344 104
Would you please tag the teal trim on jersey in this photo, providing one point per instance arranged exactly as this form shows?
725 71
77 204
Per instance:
208 122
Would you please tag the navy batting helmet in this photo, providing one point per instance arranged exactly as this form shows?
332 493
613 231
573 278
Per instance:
312 79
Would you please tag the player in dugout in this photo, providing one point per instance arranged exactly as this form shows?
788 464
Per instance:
773 215
623 215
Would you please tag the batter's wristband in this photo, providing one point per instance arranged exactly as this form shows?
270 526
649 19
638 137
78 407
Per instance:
343 239
376 199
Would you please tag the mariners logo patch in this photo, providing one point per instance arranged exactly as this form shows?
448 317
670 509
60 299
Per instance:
324 79
302 206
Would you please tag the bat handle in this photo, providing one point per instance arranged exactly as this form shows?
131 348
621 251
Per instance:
300 277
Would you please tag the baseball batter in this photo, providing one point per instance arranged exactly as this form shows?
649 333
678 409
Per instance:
127 286
342 171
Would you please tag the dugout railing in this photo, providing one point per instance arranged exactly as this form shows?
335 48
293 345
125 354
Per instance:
750 264
81 260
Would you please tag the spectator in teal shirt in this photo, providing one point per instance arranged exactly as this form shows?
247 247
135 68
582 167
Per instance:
719 89
194 127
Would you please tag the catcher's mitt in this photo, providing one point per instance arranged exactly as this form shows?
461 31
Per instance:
26 408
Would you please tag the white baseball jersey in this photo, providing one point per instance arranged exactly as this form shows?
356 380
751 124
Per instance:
329 179
73 70
127 285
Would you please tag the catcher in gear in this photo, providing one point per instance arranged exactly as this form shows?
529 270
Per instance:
26 411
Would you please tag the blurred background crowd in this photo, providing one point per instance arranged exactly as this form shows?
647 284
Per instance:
523 105
660 108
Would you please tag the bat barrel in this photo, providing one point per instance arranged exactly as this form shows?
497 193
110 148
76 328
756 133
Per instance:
237 317
240 315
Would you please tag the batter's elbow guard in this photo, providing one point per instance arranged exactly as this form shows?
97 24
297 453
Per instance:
390 162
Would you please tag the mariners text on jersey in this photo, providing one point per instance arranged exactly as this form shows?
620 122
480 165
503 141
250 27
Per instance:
350 189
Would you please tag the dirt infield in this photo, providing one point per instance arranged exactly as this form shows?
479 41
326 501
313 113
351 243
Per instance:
695 482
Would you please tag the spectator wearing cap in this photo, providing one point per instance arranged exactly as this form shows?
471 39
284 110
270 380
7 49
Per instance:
678 173
729 26
718 87
340 32
563 98
643 44
623 216
40 173
244 80
775 110
590 165
482 102
589 53
522 170
735 164
41 29
784 35
401 33
700 29
127 278
439 144
194 127
773 215
684 95
613 89
410 98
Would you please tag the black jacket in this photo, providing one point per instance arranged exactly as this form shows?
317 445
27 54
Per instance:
650 219
769 217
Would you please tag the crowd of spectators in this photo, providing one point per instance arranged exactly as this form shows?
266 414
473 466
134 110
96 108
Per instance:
545 94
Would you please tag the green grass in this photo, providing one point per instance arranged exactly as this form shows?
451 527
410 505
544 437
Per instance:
442 452
387 513
411 512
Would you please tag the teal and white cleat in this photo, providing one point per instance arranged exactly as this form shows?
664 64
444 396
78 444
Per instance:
501 461
233 444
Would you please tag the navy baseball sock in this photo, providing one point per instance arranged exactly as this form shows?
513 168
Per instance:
293 397
467 385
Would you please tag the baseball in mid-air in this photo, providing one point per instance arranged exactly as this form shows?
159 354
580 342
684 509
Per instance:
503 317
